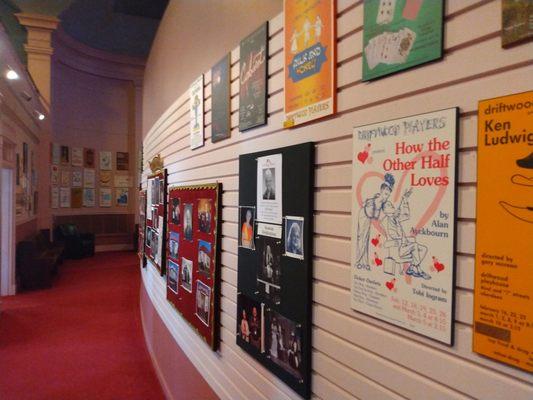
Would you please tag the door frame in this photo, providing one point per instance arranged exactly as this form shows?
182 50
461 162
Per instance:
7 231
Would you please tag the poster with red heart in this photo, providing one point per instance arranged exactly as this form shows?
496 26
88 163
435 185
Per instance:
403 222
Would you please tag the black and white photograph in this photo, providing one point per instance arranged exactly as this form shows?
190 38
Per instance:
269 272
173 245
269 189
155 245
155 191
162 191
187 221
186 274
283 342
155 219
249 321
172 276
149 234
204 257
204 215
203 301
175 211
294 237
246 224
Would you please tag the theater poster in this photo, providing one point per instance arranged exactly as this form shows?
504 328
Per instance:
403 222
309 60
220 100
503 295
400 34
196 112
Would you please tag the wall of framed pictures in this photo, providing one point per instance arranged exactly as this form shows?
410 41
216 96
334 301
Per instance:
193 256
355 355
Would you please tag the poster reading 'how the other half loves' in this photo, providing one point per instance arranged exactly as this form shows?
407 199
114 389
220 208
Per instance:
309 60
400 34
503 304
403 213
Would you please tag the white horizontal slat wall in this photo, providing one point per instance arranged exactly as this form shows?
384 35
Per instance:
354 356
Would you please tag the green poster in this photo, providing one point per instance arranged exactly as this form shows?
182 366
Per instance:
400 34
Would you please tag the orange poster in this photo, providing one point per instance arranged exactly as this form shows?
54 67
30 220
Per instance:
503 301
309 60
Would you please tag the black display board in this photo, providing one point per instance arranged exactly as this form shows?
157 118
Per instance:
275 328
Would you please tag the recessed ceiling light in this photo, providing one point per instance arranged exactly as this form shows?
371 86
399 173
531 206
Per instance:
12 74
41 116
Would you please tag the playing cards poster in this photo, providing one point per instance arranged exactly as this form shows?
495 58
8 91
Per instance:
403 222
503 305
400 34
309 60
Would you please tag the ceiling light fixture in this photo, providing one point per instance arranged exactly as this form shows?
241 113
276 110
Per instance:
11 74
40 116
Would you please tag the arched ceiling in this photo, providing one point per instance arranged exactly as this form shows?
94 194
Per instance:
125 27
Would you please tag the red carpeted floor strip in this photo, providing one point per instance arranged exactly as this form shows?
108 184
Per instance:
82 339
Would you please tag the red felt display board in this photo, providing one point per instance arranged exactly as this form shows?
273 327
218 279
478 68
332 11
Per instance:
192 256
155 208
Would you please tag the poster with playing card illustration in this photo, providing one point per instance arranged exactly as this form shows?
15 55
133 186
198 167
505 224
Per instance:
400 34
403 222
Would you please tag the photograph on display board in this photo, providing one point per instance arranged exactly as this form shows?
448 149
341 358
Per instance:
503 305
403 230
294 238
246 224
269 271
123 161
253 79
400 34
175 216
154 245
172 276
187 222
196 113
249 321
205 217
186 274
162 193
204 258
517 22
310 60
88 158
149 234
173 245
106 162
220 100
203 301
65 155
77 156
283 342
269 192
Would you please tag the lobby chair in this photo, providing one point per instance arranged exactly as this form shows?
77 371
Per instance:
77 245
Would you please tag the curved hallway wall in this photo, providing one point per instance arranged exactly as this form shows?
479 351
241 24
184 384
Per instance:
354 356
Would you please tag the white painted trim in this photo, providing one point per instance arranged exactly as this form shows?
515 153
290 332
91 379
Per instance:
7 233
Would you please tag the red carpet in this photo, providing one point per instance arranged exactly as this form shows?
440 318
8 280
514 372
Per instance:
82 339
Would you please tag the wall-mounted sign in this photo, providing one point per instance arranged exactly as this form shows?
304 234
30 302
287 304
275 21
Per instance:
196 112
503 302
403 231
220 100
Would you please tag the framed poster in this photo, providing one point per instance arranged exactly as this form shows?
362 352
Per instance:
220 100
517 22
77 156
142 225
77 178
196 112
76 197
123 161
195 289
64 197
65 155
105 178
54 197
122 197
65 178
106 161
403 222
54 175
274 288
88 158
253 79
89 179
503 306
123 181
105 197
310 60
89 199
56 153
156 203
400 34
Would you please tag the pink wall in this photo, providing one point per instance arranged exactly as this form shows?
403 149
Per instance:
192 38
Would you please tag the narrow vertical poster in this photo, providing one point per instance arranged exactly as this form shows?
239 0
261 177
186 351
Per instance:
400 34
220 100
196 112
403 222
309 60
253 79
503 304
